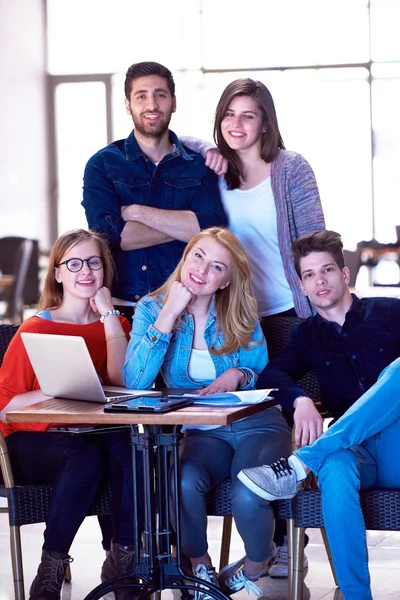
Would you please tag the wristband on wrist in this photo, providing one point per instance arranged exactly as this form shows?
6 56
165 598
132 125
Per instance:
108 313
247 377
114 336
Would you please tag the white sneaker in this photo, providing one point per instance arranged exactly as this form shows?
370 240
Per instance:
233 578
207 574
280 566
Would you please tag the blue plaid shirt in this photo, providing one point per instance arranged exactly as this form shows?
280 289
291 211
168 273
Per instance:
120 175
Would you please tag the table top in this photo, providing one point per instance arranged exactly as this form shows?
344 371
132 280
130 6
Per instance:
68 412
389 249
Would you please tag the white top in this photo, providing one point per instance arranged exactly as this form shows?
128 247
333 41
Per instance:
252 218
201 367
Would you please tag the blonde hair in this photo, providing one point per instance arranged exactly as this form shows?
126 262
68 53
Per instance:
52 295
236 306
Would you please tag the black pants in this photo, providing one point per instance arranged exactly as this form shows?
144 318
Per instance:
76 464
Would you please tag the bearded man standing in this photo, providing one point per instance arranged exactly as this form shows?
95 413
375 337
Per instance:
148 193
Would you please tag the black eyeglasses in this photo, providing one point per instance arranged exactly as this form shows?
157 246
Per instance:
75 264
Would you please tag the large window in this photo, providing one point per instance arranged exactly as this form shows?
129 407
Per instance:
333 68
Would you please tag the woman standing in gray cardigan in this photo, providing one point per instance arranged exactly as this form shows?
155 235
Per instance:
270 194
271 198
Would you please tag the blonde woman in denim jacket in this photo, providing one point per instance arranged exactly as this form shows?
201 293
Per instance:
201 330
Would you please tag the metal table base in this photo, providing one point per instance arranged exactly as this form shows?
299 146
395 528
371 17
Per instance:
155 567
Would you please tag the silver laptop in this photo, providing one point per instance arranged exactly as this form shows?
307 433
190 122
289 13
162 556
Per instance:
64 368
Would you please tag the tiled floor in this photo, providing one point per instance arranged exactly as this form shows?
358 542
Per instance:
384 550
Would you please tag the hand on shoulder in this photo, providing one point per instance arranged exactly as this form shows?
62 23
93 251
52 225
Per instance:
216 162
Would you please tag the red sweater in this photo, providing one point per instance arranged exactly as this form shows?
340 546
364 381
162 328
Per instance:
16 373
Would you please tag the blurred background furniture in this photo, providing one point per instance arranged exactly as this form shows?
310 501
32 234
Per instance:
382 260
19 260
352 260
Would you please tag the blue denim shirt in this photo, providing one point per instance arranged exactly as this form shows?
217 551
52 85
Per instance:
120 175
346 361
150 351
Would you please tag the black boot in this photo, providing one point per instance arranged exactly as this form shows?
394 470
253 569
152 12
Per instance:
49 579
120 561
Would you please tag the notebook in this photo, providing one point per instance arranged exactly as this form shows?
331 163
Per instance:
64 368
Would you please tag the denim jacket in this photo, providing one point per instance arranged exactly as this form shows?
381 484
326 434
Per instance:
120 175
150 351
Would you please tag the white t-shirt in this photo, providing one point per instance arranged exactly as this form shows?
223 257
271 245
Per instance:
252 218
200 367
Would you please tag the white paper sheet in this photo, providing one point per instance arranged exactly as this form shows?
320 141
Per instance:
233 398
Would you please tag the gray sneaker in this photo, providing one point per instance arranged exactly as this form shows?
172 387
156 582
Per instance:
233 578
271 482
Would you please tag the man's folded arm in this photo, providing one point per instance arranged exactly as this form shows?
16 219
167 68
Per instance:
206 211
135 235
103 212
180 225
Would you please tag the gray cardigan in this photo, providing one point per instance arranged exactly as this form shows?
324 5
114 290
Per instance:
299 211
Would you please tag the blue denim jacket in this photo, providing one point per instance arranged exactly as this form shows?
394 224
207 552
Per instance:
150 351
120 175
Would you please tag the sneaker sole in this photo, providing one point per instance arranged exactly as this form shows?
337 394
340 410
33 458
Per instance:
259 491
278 576
285 575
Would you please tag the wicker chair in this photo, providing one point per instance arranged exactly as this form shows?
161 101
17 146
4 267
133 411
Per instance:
277 331
29 504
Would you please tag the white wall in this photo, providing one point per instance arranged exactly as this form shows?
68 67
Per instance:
24 187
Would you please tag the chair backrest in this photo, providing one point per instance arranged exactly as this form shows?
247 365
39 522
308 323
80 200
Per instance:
7 332
19 257
277 331
352 260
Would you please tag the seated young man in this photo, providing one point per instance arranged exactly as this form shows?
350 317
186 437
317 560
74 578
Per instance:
353 346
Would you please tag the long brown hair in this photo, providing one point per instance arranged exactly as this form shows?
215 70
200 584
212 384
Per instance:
52 295
236 306
271 139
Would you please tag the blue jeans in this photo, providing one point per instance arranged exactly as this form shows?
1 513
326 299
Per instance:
209 457
360 451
